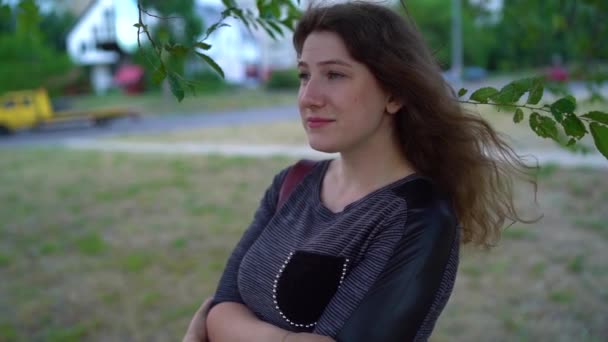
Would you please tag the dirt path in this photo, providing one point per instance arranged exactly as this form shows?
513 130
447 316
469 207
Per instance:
544 156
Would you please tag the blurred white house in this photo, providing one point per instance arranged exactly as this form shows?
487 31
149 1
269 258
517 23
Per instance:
104 33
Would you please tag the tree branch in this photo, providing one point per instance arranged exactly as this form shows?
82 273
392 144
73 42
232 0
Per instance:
157 16
543 109
142 25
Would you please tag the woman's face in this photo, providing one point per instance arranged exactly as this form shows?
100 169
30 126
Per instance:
341 104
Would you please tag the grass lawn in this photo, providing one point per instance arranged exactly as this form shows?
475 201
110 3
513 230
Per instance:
123 247
283 132
153 103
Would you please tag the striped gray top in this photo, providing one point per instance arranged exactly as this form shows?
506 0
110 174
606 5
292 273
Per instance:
304 268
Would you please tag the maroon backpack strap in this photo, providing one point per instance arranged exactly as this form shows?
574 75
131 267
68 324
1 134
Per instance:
294 176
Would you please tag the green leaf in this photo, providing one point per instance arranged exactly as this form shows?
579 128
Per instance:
519 115
543 126
288 22
574 127
597 116
229 3
564 105
211 63
176 87
239 15
600 137
177 50
571 142
275 8
482 95
159 74
192 88
266 28
202 45
276 27
512 92
214 27
536 92
462 92
559 116
261 5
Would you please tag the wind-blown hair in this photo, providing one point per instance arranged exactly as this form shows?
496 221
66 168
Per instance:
459 150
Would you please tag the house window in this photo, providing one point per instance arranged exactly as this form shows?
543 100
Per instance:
109 23
9 104
83 47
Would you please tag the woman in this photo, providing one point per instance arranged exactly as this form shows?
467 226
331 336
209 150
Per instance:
366 246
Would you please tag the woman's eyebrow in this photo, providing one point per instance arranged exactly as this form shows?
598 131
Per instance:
327 62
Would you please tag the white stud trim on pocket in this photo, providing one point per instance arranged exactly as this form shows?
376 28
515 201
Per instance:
274 291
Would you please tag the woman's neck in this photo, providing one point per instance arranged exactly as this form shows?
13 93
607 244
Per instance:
370 167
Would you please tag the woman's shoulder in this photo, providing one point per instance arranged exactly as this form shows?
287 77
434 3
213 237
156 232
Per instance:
300 169
287 179
426 204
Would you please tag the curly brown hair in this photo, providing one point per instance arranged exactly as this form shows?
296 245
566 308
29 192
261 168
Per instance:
456 148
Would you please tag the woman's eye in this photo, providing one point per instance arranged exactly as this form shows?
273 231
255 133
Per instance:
334 75
303 76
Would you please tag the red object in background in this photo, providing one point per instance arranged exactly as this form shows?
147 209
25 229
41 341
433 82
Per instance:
557 73
131 78
252 71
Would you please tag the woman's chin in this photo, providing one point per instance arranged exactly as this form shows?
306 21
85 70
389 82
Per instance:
323 147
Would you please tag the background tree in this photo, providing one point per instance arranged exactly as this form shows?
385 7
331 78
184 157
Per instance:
433 18
547 120
57 25
29 59
567 32
537 32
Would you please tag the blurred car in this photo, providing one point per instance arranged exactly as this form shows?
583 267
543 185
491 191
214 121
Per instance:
27 109
557 73
474 73
470 73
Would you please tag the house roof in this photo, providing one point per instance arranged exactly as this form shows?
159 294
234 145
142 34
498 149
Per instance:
83 14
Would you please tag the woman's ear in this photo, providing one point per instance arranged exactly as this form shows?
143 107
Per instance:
393 105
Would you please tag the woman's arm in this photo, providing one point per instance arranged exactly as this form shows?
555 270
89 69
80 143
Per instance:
227 290
229 319
234 322
197 329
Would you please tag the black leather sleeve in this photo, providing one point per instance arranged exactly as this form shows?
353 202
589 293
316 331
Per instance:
405 301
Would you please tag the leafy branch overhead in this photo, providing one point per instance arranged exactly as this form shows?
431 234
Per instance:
273 16
558 120
551 121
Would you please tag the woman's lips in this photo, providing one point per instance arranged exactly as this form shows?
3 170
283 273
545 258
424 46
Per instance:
318 122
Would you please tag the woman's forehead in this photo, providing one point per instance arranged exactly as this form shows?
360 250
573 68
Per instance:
321 46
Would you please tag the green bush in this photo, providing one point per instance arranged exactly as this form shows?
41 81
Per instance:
30 63
208 81
283 80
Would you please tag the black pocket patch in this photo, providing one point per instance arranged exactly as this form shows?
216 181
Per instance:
306 284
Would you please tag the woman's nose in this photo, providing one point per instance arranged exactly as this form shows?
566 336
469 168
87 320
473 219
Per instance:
310 94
